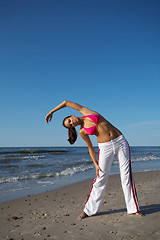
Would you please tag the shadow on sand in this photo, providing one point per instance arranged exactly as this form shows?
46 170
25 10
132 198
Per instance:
149 209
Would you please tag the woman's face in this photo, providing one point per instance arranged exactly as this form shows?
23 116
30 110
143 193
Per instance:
72 121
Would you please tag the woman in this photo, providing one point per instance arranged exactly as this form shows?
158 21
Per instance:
110 142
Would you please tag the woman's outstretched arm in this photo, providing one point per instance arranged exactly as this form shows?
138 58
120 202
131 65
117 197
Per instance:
76 106
91 151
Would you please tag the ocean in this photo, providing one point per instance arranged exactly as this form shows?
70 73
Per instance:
32 170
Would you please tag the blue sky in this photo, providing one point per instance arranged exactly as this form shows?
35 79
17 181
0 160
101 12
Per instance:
102 54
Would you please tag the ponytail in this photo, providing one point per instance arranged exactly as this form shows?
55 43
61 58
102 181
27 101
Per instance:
72 134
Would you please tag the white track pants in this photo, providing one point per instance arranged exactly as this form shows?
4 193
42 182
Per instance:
107 150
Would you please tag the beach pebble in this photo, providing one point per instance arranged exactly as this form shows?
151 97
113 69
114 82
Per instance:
67 215
14 218
44 214
37 233
67 231
111 232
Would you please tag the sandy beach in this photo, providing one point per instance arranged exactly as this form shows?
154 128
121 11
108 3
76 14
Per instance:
53 215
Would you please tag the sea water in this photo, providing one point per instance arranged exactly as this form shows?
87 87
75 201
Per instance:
25 171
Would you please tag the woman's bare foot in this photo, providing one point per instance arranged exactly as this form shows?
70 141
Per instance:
83 215
138 214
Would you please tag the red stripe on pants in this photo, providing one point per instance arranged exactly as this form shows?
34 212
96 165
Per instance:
94 179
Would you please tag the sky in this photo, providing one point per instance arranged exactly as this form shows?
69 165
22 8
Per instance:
104 55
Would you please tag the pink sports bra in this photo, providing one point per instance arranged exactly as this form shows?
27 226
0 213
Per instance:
92 130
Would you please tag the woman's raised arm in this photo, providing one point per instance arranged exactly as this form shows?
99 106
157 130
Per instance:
76 106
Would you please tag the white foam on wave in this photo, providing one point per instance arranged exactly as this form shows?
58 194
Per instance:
9 179
68 171
16 189
14 179
74 170
149 157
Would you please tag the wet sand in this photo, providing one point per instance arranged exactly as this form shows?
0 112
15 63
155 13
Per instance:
53 215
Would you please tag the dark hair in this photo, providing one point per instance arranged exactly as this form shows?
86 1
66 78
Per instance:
72 134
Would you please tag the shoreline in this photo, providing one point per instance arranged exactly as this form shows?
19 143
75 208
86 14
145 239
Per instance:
66 181
27 171
53 214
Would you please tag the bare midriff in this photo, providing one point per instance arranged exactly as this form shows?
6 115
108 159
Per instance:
106 131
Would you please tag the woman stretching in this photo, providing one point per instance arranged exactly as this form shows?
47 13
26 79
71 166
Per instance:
110 142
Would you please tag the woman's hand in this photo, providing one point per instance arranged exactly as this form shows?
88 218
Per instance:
49 117
97 170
